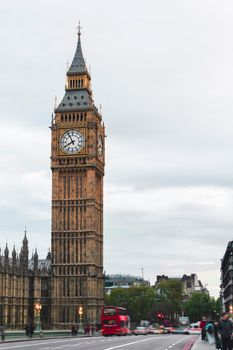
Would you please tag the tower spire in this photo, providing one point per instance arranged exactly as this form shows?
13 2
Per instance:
78 94
78 65
79 29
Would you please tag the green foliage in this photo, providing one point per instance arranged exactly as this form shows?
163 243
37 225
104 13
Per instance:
169 297
143 302
217 308
139 301
200 304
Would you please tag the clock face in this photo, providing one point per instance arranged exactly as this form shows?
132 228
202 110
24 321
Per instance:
100 147
72 141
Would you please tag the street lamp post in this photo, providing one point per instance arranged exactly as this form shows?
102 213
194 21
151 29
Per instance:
80 312
38 308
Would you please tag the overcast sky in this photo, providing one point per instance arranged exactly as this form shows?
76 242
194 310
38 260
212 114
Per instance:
163 73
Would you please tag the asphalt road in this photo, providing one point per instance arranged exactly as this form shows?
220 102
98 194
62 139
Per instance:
148 342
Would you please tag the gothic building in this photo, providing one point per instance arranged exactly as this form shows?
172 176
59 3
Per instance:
77 163
23 281
71 277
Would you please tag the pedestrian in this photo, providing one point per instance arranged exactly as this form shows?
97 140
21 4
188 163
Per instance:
41 334
73 330
202 326
2 332
31 330
27 330
92 330
218 344
210 332
96 330
225 329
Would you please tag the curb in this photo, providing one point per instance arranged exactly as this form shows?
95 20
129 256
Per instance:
34 339
190 344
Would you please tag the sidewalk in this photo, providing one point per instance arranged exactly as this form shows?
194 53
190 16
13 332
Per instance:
10 339
202 345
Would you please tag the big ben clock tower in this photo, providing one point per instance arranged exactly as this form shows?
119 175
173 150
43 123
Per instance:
77 163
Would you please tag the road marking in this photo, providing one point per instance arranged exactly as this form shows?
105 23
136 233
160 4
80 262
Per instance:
128 344
190 343
171 346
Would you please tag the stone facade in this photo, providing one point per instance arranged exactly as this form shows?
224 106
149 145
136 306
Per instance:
226 293
190 284
23 281
72 274
77 163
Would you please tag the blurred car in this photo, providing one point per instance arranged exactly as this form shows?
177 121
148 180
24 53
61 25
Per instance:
193 328
180 330
166 330
169 330
141 331
153 330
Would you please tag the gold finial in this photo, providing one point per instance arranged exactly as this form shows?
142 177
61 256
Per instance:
67 65
55 101
100 109
79 29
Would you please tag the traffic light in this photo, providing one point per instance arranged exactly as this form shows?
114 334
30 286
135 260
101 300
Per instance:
160 315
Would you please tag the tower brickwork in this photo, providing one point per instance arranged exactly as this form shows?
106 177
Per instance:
77 163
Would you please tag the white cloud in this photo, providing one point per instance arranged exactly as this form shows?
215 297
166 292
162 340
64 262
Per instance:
163 74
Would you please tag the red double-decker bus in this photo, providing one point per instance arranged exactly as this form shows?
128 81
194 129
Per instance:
114 321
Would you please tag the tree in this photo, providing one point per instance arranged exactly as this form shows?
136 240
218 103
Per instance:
217 308
200 304
139 301
169 297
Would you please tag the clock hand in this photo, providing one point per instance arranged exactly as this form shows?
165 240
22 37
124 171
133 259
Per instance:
70 137
70 142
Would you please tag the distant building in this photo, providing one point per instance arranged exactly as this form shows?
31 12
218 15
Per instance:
226 293
190 283
23 281
122 281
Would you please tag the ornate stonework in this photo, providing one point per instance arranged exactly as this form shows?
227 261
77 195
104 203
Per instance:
72 274
22 282
77 163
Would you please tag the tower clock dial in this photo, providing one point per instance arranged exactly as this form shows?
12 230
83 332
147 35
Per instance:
100 147
72 141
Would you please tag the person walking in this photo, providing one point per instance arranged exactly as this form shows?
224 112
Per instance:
27 330
210 332
218 344
202 326
225 329
31 330
2 332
